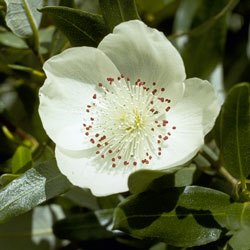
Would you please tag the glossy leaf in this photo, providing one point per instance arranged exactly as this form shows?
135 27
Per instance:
89 226
35 186
81 28
167 215
22 160
233 131
23 18
118 11
148 179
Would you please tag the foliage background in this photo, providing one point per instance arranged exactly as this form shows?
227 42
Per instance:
202 206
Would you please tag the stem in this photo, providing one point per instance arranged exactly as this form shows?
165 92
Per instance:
219 169
21 134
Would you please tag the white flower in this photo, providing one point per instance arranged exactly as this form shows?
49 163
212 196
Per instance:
122 107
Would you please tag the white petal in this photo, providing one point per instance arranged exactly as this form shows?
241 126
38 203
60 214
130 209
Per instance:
193 117
142 52
72 79
80 170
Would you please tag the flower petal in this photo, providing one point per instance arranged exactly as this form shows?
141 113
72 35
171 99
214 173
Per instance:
80 171
142 52
72 79
192 118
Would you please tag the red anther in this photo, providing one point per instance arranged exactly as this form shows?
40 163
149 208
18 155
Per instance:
92 119
89 106
161 99
134 163
154 91
113 159
118 78
169 133
167 109
165 138
147 154
84 125
113 165
98 145
110 151
173 127
156 121
160 136
162 89
128 79
87 110
106 143
158 141
119 157
152 129
154 83
97 152
100 84
92 140
102 156
94 96
159 148
96 135
126 163
152 110
87 133
147 162
122 75
159 153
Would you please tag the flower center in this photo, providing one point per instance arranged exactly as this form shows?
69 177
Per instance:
127 123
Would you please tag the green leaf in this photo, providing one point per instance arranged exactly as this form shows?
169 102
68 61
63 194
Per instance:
82 198
89 226
202 27
240 240
35 186
81 28
22 160
233 131
117 11
148 179
166 215
27 231
23 19
11 40
7 178
237 217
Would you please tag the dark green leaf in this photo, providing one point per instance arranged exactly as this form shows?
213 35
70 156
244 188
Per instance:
35 186
144 179
82 197
81 28
118 11
22 160
89 226
28 230
233 131
205 23
167 215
